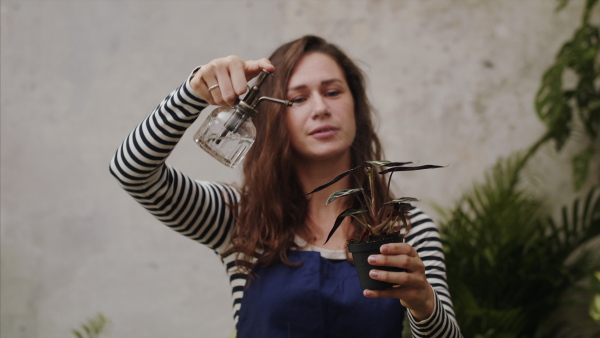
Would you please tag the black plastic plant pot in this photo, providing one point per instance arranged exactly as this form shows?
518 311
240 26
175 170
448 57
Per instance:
361 252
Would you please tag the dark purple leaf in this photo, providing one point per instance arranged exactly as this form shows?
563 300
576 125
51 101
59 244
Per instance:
401 200
398 208
397 164
340 219
342 193
379 163
394 169
335 179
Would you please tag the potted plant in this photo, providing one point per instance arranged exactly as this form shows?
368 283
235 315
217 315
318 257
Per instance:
382 221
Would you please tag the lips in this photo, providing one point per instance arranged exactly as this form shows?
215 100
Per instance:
323 131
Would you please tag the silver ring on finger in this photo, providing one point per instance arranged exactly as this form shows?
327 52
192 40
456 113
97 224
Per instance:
213 87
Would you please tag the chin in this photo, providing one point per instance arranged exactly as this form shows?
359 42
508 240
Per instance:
328 156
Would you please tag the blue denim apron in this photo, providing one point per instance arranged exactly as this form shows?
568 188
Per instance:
320 298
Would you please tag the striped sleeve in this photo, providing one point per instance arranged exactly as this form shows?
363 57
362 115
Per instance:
198 210
424 237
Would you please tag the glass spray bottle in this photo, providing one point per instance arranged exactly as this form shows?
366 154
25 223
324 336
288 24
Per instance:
228 133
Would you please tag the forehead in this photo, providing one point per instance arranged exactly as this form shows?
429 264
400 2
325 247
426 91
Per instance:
315 68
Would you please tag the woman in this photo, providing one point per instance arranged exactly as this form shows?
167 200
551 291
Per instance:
284 281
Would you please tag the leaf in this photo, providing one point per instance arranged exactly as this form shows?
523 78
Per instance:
87 330
334 180
94 327
551 104
581 166
561 4
595 282
403 219
492 223
342 193
394 169
396 164
595 309
400 210
383 163
401 200
379 163
340 219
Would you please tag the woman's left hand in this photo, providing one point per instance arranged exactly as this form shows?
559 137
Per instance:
413 289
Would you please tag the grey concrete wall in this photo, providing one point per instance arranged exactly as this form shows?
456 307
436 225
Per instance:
454 82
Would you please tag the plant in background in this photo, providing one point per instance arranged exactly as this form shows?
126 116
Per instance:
377 218
509 264
557 100
92 328
595 303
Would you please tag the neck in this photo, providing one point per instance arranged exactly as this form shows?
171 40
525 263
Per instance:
312 174
321 217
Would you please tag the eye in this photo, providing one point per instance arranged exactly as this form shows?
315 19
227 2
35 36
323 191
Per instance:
332 93
297 100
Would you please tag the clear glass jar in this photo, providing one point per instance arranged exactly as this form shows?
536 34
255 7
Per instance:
227 135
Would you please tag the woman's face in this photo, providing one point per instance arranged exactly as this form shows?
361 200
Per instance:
321 121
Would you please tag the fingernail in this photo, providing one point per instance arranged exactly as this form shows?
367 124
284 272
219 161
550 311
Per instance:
384 249
372 259
374 273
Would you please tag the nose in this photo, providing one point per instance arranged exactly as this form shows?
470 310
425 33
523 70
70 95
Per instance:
320 108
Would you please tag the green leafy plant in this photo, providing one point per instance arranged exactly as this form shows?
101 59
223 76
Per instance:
376 217
509 264
595 303
558 102
92 328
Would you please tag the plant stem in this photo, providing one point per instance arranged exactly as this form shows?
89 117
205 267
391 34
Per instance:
373 211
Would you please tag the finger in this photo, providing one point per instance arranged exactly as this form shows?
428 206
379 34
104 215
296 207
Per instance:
206 90
239 78
384 293
398 261
394 277
398 249
224 95
232 74
202 80
215 73
254 67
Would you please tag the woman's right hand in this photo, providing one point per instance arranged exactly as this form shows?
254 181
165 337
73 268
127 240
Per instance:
232 74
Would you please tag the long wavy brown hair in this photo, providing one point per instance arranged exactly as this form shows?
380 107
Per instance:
273 207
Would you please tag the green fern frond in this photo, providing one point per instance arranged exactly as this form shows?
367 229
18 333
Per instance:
92 328
506 259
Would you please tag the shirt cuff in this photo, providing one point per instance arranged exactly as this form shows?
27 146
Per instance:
432 319
439 324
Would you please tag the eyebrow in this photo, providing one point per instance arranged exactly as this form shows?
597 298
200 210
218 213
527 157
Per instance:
325 82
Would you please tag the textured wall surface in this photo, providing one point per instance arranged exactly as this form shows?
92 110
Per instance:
453 81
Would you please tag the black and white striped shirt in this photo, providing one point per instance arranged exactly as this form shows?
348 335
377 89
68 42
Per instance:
200 210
